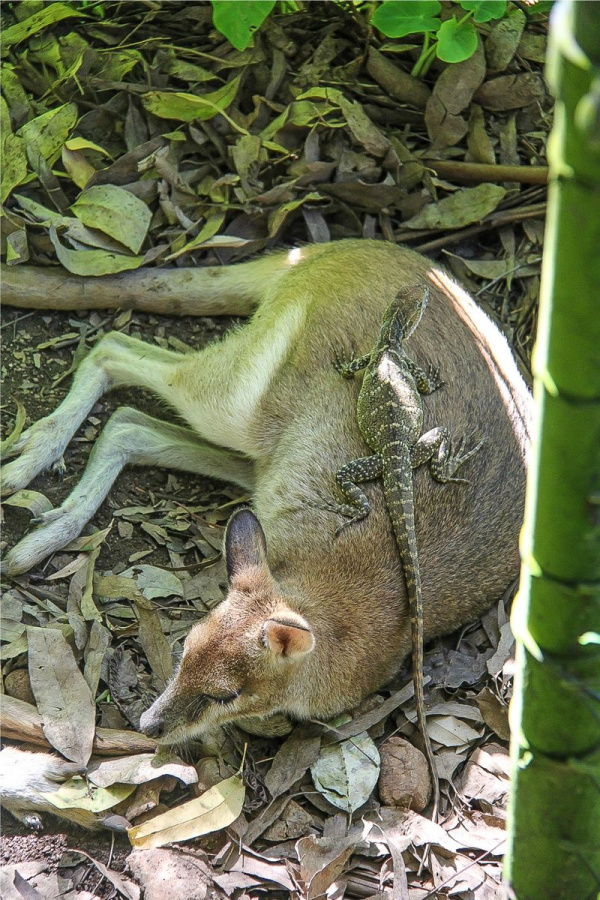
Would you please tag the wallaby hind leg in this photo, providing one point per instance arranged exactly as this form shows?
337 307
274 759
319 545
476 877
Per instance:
115 361
130 436
199 386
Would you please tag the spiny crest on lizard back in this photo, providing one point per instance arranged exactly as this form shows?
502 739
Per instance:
402 316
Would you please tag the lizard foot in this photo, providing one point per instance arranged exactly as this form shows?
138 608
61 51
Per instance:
444 469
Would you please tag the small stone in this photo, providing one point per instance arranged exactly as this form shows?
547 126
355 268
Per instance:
17 684
404 779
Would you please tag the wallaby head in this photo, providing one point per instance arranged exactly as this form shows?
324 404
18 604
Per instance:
241 659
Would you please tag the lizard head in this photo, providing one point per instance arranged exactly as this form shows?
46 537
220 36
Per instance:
404 314
244 658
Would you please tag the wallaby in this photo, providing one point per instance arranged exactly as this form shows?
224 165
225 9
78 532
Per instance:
313 622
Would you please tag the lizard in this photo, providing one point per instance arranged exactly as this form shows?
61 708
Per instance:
390 419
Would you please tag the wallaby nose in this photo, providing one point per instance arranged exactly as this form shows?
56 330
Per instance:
150 726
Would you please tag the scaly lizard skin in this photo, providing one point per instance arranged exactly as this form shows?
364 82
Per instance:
390 418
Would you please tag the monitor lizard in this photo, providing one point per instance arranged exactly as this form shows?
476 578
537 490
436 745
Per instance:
390 418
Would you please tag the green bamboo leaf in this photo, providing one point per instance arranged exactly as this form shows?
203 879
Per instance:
397 18
237 20
188 107
484 10
49 15
457 41
116 212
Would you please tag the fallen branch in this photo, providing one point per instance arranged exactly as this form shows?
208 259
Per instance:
466 171
175 292
21 721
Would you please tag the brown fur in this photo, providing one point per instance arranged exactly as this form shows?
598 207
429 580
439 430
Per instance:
270 393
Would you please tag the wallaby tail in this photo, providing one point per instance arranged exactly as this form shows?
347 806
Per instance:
210 291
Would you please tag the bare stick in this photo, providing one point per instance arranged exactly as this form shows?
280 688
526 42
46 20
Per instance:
173 292
21 721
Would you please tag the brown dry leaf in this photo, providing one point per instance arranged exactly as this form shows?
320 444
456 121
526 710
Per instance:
452 93
462 208
395 82
480 144
293 822
495 713
322 861
95 651
511 91
214 810
264 870
503 40
294 757
451 732
124 886
154 643
363 130
503 652
478 783
480 832
62 695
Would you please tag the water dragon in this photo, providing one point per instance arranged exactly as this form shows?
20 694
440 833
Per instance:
390 418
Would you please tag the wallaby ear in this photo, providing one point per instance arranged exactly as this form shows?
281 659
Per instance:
245 544
288 635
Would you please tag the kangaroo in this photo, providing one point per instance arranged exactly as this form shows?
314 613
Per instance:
312 623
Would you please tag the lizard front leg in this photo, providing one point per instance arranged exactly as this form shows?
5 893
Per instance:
435 448
349 367
426 381
348 477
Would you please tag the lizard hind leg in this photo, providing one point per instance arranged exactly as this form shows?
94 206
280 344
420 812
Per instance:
435 447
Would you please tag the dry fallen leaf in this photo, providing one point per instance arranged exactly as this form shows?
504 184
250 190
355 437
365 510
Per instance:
215 809
62 695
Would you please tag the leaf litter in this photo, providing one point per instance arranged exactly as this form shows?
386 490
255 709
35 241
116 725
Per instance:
153 148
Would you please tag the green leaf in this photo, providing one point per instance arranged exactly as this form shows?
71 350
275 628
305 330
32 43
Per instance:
239 19
484 10
116 212
396 18
457 41
48 132
75 794
14 158
211 227
35 502
15 434
187 107
52 13
93 262
346 773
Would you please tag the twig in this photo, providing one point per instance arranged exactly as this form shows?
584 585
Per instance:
493 221
21 722
467 171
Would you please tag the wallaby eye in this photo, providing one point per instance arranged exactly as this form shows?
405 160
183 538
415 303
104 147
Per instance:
225 698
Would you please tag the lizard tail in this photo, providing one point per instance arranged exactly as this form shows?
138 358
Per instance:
398 492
